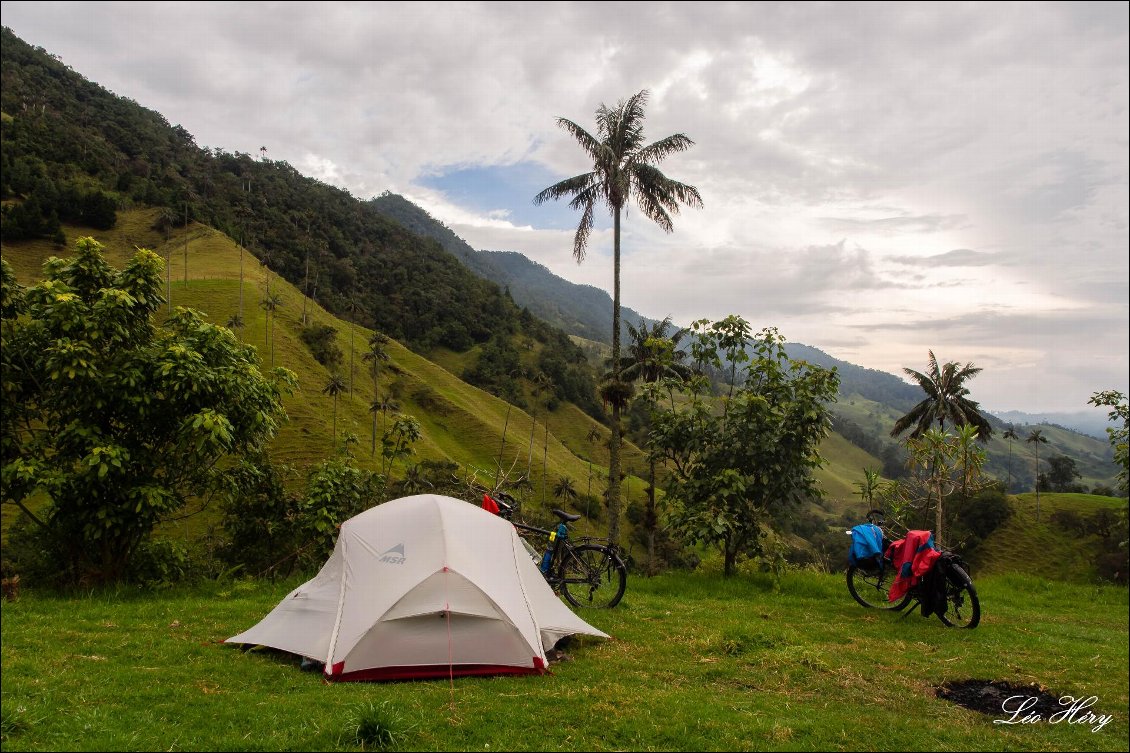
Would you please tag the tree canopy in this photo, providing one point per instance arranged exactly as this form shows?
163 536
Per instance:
946 400
116 421
740 460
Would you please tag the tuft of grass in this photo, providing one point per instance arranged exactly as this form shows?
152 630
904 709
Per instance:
375 726
14 720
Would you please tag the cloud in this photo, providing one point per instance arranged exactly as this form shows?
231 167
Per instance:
880 179
959 257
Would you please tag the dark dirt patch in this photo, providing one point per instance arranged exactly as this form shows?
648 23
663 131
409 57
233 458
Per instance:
990 697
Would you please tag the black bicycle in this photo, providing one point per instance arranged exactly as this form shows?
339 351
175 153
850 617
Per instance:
947 590
587 571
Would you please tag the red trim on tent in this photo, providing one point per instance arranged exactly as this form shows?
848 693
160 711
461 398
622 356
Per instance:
431 672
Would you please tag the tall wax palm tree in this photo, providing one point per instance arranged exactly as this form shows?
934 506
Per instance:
384 406
1009 434
235 323
564 490
945 401
333 388
624 169
1036 438
375 356
653 356
270 304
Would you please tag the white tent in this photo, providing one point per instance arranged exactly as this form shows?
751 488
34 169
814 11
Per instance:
423 586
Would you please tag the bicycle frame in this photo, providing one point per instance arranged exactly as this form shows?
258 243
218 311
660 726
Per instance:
588 572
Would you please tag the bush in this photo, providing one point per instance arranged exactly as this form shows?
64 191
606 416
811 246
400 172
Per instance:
975 518
260 519
320 339
37 556
159 563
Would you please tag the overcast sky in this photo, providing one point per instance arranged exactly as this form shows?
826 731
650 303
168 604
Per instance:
879 180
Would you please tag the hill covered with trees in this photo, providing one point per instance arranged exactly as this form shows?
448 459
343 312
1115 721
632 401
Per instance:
74 152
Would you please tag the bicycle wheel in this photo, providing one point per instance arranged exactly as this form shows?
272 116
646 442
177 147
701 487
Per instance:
871 587
594 576
963 608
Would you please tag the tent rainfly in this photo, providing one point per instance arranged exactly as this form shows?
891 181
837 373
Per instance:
422 587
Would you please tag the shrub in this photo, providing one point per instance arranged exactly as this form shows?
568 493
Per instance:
321 341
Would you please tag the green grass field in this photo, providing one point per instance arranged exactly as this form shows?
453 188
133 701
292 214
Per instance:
695 663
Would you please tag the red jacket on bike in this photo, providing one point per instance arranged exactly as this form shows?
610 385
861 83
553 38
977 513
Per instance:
913 557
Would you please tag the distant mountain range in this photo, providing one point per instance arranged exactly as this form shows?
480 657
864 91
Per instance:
581 310
1092 424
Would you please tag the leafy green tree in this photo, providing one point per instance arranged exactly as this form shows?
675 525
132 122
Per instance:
1119 434
740 461
624 168
321 340
398 440
946 400
119 423
1037 438
336 490
1062 472
944 467
262 520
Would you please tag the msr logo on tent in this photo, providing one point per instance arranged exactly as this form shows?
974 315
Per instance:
394 556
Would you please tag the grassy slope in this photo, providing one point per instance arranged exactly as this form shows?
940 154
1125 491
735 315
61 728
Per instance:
696 663
461 422
1025 546
467 428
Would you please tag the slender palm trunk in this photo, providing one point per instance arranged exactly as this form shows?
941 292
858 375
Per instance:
502 446
614 441
1037 482
545 459
530 452
651 519
373 451
169 277
1008 487
938 517
306 284
241 276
